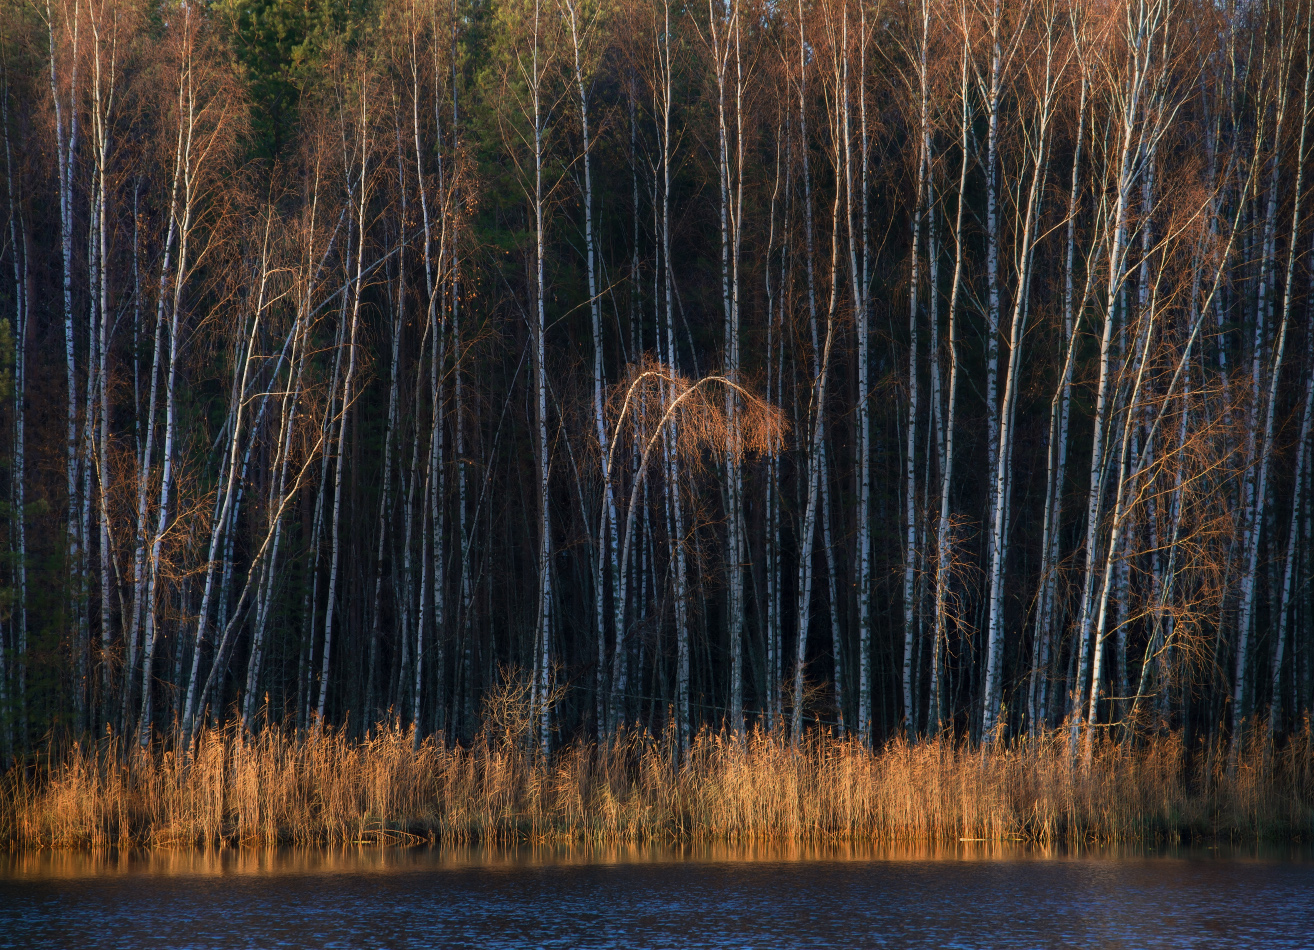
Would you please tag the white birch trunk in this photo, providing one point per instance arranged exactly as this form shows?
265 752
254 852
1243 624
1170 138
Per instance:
66 145
1004 457
910 525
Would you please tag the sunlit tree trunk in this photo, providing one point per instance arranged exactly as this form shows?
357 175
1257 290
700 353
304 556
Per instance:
859 267
104 26
775 393
944 537
1057 454
543 657
1012 382
66 147
815 433
185 181
606 570
1130 143
991 91
1257 472
910 525
363 146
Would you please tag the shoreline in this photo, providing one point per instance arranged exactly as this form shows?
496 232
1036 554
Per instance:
275 788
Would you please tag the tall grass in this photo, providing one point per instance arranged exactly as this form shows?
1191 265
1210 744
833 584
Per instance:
323 787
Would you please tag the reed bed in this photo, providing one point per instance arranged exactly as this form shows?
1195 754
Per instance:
326 788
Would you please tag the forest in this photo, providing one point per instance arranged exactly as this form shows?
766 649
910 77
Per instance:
883 369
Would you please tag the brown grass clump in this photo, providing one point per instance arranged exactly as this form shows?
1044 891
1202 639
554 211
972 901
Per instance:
323 787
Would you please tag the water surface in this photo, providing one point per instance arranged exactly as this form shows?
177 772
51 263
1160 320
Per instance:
960 896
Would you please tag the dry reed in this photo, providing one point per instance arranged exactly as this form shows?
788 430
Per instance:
323 787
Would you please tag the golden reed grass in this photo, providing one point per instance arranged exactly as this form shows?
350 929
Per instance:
323 787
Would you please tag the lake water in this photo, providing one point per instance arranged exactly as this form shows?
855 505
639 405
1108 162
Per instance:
965 895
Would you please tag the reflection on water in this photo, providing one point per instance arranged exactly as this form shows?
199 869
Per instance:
37 865
957 894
